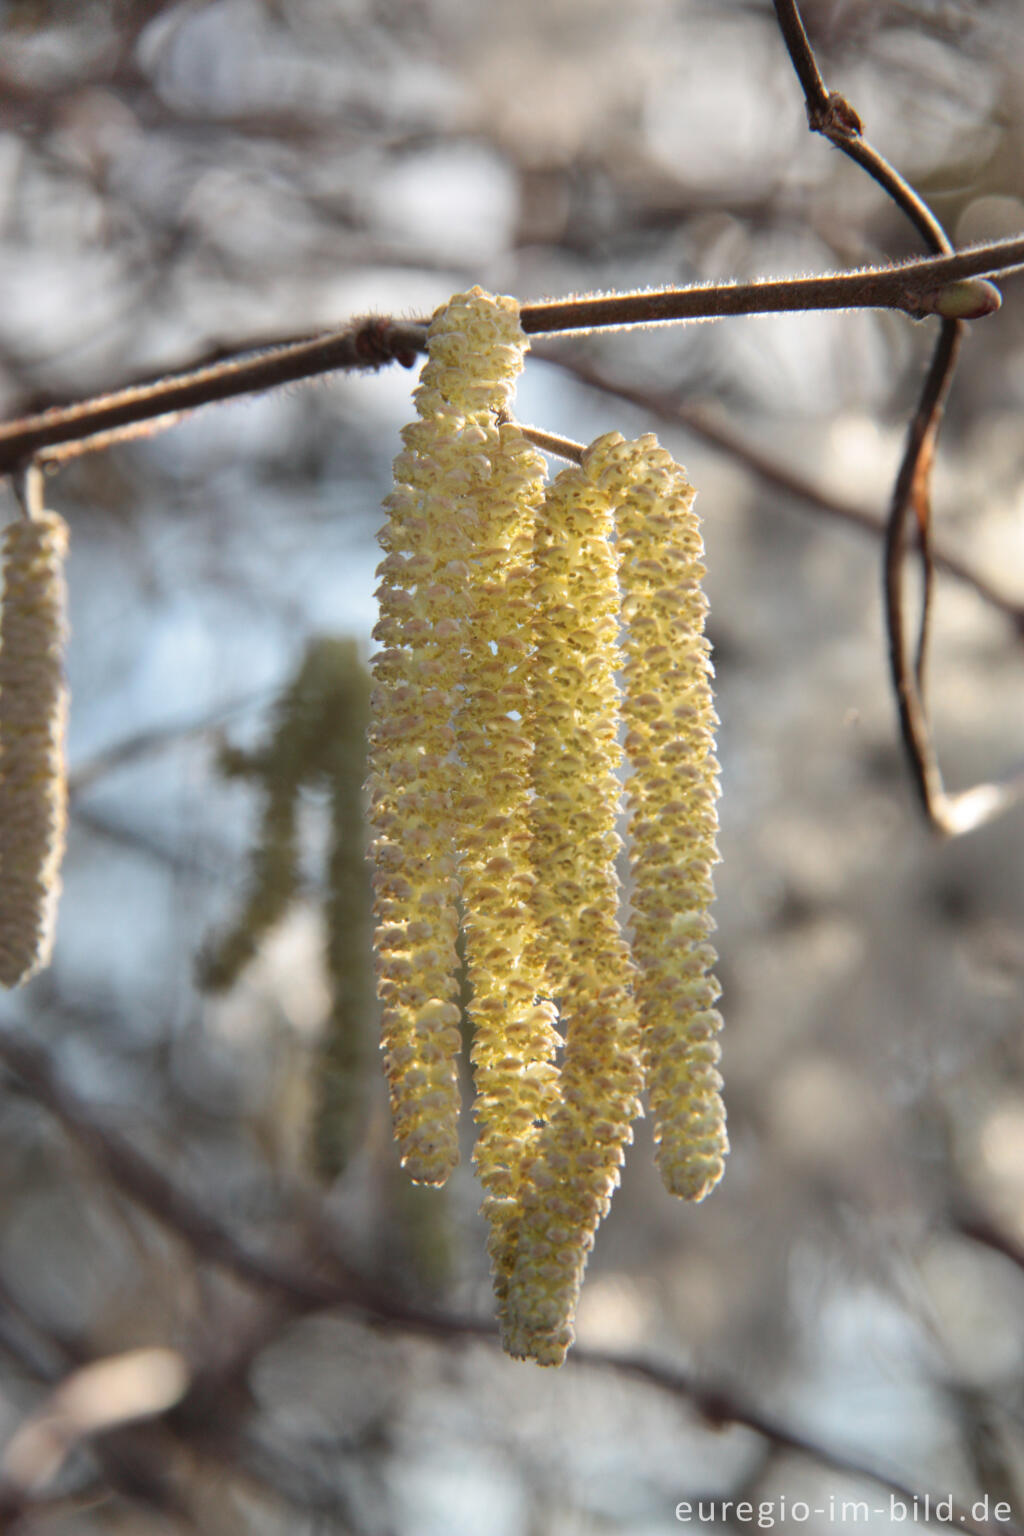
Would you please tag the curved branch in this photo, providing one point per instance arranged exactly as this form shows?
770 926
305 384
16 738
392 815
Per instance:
830 114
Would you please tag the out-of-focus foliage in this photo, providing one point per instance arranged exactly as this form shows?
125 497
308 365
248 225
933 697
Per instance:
179 178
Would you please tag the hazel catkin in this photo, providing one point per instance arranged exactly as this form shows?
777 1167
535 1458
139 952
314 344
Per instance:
474 352
532 647
33 716
671 793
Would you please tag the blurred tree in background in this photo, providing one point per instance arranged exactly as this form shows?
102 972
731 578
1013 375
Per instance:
185 178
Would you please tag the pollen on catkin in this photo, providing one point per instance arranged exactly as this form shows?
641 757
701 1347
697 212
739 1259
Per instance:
671 794
514 1038
496 784
33 715
474 352
573 719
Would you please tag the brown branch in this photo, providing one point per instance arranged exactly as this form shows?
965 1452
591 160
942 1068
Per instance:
157 1194
830 114
142 743
916 288
721 1406
968 1218
368 343
698 420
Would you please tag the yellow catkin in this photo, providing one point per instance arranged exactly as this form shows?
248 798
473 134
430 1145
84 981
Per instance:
671 793
514 1039
474 354
33 716
573 719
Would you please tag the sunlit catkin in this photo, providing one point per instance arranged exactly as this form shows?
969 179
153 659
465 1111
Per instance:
496 783
33 714
671 794
475 351
573 719
514 1039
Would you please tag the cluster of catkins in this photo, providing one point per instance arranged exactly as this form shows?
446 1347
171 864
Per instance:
522 624
33 717
318 739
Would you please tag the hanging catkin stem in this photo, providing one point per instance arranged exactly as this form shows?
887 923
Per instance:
33 715
670 723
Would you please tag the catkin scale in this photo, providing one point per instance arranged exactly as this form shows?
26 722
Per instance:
33 716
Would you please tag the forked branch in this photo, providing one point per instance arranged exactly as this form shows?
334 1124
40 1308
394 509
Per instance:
830 114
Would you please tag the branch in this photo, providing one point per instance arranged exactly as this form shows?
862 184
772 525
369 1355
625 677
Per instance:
830 113
129 748
722 1406
367 343
703 424
917 289
157 1194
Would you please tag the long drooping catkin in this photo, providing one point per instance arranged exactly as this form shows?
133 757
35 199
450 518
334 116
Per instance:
289 759
671 793
514 1039
496 786
33 715
573 719
475 348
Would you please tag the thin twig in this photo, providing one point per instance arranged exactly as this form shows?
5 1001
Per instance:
830 114
129 748
558 447
707 426
367 343
972 1222
915 288
721 1406
152 1189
